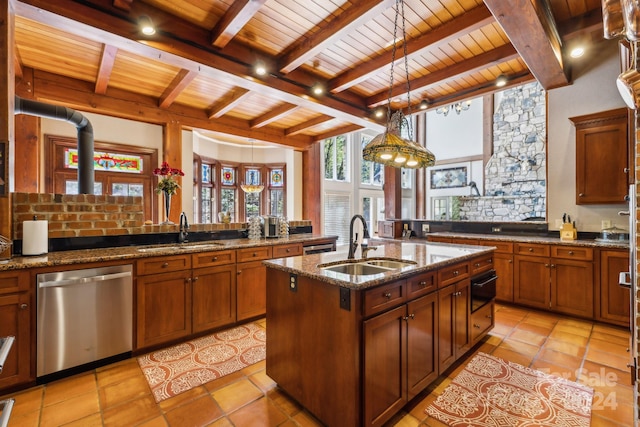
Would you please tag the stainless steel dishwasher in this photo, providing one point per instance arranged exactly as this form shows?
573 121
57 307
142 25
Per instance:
83 316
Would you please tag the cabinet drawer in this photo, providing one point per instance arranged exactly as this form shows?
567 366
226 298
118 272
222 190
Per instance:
481 321
282 251
383 297
531 249
481 264
452 274
421 285
501 247
14 281
253 254
163 264
572 252
211 259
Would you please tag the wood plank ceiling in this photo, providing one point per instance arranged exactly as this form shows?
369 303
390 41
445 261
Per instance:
198 67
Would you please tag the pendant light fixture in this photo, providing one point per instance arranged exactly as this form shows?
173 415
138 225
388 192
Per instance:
252 186
389 148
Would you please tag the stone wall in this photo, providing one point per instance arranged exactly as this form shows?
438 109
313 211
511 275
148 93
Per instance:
515 175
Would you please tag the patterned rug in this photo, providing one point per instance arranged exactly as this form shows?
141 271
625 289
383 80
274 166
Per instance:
493 392
177 369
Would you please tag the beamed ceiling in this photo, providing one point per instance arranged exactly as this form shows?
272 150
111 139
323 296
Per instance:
198 67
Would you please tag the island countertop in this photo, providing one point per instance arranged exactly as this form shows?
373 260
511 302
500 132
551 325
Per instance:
426 255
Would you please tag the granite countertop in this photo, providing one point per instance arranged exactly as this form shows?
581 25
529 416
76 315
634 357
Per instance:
535 239
135 252
427 256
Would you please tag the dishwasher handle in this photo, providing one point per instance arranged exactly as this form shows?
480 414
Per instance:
5 346
83 280
6 406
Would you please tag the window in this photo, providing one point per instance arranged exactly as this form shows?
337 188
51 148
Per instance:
337 212
336 158
252 201
228 189
371 173
276 190
120 170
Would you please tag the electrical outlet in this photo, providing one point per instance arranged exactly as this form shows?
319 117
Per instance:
558 223
425 228
606 223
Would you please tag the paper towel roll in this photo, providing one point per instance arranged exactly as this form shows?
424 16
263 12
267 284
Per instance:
35 237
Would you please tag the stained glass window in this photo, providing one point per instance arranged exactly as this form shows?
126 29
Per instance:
103 161
252 176
206 173
276 178
228 176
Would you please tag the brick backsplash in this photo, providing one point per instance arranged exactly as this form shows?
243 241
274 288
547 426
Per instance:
86 215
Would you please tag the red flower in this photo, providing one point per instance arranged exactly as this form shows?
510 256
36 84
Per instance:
166 170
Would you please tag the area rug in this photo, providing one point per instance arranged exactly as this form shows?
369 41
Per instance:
493 392
176 369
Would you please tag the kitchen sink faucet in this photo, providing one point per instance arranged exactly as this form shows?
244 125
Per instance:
353 242
184 227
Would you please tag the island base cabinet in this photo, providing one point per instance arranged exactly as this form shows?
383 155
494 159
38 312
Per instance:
454 336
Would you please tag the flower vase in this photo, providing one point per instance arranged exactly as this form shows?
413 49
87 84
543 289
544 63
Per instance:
167 208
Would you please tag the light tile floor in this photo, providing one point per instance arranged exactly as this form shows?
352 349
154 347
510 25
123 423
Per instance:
118 395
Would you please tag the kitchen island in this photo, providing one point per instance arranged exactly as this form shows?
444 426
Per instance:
354 349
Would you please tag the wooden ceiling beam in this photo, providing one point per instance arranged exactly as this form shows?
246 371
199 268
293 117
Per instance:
17 64
294 130
337 131
310 46
179 83
452 30
230 100
123 4
496 56
182 45
79 94
236 17
586 24
273 115
533 33
107 60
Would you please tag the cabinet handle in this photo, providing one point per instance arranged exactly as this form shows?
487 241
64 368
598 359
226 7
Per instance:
477 264
490 261
23 306
255 254
510 261
457 294
570 252
625 170
455 273
412 316
475 325
553 266
581 195
195 279
288 250
423 284
239 271
165 265
215 258
546 265
188 280
530 249
488 316
387 295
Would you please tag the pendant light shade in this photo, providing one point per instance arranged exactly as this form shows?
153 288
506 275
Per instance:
252 186
390 148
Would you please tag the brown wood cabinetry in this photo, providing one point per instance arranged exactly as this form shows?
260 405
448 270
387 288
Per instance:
482 321
558 278
454 337
602 159
16 300
214 297
400 357
252 282
613 300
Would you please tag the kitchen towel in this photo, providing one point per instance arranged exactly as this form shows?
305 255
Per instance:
35 237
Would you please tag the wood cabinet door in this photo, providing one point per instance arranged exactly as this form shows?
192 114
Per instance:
531 281
462 301
422 343
503 264
614 302
251 290
15 320
446 327
164 308
385 368
601 158
572 287
214 297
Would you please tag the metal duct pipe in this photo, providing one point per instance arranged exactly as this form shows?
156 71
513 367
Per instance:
85 135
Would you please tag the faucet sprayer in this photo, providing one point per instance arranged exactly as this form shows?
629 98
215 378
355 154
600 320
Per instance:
184 227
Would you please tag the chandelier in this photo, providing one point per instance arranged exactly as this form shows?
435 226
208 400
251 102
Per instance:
253 186
458 107
390 148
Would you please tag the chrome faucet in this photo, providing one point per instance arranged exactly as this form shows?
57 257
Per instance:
353 243
184 227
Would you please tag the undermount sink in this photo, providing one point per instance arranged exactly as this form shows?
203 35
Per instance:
180 247
367 267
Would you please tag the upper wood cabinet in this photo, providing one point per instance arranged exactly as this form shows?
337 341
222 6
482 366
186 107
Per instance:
602 157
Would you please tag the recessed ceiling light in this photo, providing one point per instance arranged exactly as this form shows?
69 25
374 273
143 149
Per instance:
146 25
260 69
501 80
424 104
317 89
577 52
379 112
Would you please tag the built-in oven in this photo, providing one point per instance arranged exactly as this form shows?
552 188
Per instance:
483 289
